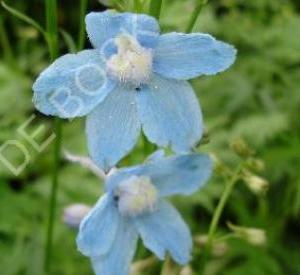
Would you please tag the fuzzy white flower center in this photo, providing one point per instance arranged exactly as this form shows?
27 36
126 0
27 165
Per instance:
132 63
136 195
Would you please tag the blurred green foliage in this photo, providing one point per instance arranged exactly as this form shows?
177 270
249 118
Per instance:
257 100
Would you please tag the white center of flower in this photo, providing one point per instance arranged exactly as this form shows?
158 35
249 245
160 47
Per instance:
132 63
136 195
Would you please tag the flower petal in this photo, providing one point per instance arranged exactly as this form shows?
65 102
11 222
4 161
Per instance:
113 128
102 27
157 155
73 85
170 114
117 261
185 56
98 230
165 231
183 174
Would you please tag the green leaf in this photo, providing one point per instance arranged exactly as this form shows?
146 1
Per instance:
72 48
24 18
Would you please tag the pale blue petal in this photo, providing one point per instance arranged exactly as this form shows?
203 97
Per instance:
170 114
73 85
98 230
185 56
164 230
183 174
117 261
102 27
157 155
113 128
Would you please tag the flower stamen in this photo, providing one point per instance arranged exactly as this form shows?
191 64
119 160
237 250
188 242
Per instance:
132 63
136 195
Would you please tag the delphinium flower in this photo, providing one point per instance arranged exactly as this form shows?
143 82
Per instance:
134 79
134 205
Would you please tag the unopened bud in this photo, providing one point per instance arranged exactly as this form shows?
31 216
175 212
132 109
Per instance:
219 166
169 267
240 147
201 240
74 214
141 265
187 270
256 164
254 236
219 249
256 184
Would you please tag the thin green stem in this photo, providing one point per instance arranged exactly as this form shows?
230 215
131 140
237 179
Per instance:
224 238
52 38
81 35
138 7
5 45
220 207
54 189
196 12
52 28
217 214
23 17
155 8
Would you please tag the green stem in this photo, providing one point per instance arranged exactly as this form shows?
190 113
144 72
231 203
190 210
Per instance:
155 8
194 17
217 214
225 238
52 28
23 17
53 195
220 207
7 51
81 35
52 37
138 7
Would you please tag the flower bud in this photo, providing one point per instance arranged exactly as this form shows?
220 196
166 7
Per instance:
219 249
256 164
256 184
241 148
219 166
186 270
254 236
141 265
74 214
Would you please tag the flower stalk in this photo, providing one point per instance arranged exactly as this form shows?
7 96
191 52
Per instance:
218 213
155 8
81 35
194 17
5 45
138 6
52 38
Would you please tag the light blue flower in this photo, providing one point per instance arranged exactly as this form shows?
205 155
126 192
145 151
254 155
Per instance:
134 79
134 205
